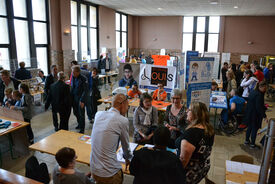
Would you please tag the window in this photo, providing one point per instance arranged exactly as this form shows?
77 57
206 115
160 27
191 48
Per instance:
24 34
122 31
201 33
84 30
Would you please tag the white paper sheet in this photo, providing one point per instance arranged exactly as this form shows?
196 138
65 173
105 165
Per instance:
231 182
235 167
244 58
149 145
119 154
251 168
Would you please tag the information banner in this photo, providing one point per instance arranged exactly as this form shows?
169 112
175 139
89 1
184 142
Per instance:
150 76
200 77
218 100
188 55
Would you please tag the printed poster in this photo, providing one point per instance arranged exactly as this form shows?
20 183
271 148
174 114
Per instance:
218 100
188 55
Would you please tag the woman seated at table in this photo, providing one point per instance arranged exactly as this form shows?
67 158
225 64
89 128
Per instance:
66 172
195 145
134 92
175 116
145 120
159 94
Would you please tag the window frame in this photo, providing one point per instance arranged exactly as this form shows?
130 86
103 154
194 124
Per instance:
88 27
121 31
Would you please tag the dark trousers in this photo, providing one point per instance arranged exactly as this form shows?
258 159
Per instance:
251 132
29 129
88 108
109 79
64 120
93 106
79 114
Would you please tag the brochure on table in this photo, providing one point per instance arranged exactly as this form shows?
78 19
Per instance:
12 125
218 100
199 80
119 154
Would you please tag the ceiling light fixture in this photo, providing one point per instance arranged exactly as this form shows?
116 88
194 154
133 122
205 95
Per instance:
213 2
159 8
236 7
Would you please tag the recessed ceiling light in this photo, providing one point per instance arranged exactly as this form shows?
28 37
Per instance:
159 8
213 2
236 7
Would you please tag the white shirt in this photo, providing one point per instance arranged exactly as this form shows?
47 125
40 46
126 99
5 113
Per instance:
246 84
10 85
109 128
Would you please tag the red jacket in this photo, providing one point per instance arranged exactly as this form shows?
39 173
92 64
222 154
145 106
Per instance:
260 75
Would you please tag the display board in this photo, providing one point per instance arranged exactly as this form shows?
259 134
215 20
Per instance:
135 69
151 75
121 53
200 77
188 55
216 66
218 100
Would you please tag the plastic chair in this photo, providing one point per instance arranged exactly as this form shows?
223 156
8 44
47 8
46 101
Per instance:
243 158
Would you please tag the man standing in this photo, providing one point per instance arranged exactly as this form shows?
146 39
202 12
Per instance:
22 73
60 99
224 78
79 90
109 128
7 82
50 79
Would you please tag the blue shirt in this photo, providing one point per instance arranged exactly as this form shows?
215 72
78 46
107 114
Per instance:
18 103
74 85
239 103
266 73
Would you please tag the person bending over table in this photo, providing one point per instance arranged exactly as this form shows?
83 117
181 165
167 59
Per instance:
134 92
110 128
65 171
157 165
195 145
145 120
175 116
159 94
128 79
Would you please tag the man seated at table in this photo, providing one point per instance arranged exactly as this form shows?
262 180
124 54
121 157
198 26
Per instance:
134 92
214 86
236 105
157 165
128 79
65 171
110 128
159 94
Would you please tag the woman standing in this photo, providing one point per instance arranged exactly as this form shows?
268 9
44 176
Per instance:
255 113
248 83
145 120
26 107
175 116
95 92
231 82
195 145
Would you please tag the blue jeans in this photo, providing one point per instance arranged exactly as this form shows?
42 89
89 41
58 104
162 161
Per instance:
79 113
224 116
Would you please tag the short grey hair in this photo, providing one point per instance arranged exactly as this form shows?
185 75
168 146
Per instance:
61 76
176 92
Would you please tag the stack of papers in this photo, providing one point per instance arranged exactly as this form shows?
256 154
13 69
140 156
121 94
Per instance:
238 167
119 154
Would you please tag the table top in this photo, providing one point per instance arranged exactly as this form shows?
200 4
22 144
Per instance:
246 176
12 178
107 74
63 138
272 85
23 124
134 102
33 93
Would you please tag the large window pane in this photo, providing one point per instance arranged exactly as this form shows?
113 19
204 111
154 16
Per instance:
213 41
3 10
84 45
124 23
4 38
73 13
117 21
41 53
74 40
92 16
200 43
214 24
93 41
22 41
117 39
40 33
187 41
83 15
4 58
201 24
39 10
19 8
124 40
188 24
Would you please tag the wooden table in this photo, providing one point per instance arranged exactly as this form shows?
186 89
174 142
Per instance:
23 124
272 85
242 178
7 177
161 106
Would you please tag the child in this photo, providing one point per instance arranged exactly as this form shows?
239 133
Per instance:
16 95
134 92
26 108
66 172
8 101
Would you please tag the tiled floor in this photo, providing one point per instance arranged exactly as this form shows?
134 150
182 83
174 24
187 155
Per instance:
224 147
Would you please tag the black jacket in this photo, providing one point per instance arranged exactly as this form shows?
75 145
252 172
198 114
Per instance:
255 109
48 82
2 87
59 97
22 74
82 88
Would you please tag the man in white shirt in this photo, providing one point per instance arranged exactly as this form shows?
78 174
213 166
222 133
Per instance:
109 128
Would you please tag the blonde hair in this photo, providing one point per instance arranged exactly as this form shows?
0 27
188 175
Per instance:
231 74
8 91
201 117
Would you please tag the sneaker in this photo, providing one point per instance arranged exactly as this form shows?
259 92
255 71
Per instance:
246 142
242 126
254 146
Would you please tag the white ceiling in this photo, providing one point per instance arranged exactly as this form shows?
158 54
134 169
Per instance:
190 7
